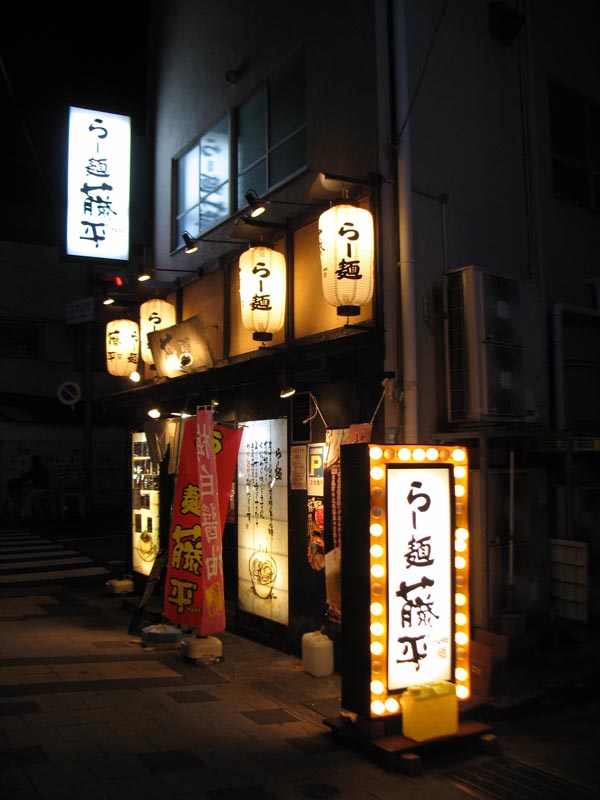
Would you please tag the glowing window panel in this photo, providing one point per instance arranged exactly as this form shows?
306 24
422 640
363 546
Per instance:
419 497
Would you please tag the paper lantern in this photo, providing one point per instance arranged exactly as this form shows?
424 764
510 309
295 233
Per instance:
262 291
122 347
155 315
346 246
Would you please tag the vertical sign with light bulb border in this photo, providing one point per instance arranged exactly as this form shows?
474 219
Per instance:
405 573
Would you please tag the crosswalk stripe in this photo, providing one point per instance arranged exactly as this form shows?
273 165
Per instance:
26 558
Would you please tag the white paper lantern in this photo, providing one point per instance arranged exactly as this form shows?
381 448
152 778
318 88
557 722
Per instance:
122 347
346 246
155 314
262 291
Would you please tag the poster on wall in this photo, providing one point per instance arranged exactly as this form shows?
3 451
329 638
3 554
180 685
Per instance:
263 587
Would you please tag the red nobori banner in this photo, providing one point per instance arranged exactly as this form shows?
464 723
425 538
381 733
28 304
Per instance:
194 591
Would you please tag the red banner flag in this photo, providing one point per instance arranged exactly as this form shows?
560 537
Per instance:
194 589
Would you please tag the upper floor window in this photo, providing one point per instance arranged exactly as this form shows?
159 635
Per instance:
575 142
257 146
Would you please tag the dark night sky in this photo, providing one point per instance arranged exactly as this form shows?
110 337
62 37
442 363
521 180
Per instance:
57 55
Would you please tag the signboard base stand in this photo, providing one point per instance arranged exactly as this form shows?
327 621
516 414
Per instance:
398 752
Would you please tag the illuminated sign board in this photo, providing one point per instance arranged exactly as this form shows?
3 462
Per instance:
98 184
405 578
262 486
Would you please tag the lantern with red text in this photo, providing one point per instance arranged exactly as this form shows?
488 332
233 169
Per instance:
346 248
262 292
155 314
122 347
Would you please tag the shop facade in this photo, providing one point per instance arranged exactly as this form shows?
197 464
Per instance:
452 345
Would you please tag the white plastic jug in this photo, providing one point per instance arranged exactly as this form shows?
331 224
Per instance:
317 654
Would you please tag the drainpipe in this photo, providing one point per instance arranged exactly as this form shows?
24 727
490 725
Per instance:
408 370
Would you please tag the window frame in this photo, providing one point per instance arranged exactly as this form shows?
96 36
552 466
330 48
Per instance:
585 162
235 175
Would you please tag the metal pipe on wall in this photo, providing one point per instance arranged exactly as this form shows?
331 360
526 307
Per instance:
408 371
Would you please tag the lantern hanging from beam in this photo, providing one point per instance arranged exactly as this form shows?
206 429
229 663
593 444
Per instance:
155 314
346 246
262 291
122 347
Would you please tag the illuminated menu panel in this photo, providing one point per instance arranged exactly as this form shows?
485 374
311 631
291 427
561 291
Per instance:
145 506
262 486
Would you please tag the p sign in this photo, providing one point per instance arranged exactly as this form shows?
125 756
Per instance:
69 393
316 469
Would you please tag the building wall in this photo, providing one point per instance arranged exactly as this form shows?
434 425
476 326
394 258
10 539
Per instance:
482 195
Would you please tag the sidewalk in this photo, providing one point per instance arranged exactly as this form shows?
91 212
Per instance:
86 709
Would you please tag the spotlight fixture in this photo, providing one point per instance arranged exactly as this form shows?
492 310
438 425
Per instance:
191 245
154 413
285 389
257 207
108 300
144 275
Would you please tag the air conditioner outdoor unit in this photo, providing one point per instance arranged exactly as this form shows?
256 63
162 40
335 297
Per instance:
485 341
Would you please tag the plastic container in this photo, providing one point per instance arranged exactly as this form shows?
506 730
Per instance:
317 654
429 710
202 648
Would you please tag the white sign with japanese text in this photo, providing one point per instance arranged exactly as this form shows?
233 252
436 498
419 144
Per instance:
98 184
420 575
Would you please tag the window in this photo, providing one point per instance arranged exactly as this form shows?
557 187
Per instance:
21 340
575 142
266 136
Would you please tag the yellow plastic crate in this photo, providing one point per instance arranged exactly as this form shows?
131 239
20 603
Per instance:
429 710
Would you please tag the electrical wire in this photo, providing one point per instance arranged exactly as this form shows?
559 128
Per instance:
422 74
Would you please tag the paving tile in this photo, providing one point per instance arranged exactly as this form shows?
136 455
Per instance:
173 760
18 756
270 716
135 787
104 767
191 696
56 781
26 707
247 792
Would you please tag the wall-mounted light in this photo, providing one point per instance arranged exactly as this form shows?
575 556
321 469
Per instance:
190 243
285 388
122 347
108 300
346 241
257 207
155 314
262 291
154 413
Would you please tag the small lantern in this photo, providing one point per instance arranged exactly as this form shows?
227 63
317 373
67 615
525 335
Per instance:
262 291
346 246
122 347
155 315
